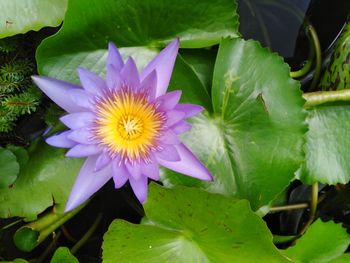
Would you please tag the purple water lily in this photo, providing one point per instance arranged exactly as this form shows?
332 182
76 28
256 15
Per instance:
126 126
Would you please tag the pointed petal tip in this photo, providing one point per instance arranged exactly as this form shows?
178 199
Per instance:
111 45
163 63
189 164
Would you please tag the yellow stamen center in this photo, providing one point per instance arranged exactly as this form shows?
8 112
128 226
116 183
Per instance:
128 125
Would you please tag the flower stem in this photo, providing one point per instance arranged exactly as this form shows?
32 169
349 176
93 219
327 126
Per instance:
317 47
321 97
313 207
32 234
87 235
307 66
50 248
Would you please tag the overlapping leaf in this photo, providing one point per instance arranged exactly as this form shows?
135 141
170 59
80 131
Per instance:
191 225
147 24
323 242
252 143
327 145
46 178
20 16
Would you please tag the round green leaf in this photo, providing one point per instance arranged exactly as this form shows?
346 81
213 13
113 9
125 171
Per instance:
88 26
9 168
20 16
63 254
191 225
327 146
252 143
45 179
322 242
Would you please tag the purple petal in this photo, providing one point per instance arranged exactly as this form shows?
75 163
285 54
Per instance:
87 183
102 161
189 109
134 170
139 187
61 140
181 127
149 84
81 98
189 164
114 58
82 150
151 170
163 63
169 137
169 100
173 117
78 120
57 91
169 153
84 136
130 75
91 82
120 173
113 79
114 65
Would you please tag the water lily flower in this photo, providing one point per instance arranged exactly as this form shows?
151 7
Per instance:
126 125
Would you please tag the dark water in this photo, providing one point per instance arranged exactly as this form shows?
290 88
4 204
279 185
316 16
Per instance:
280 24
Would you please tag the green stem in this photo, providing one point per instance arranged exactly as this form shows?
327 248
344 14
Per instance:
320 97
307 66
87 235
288 207
317 46
57 221
282 239
313 207
32 234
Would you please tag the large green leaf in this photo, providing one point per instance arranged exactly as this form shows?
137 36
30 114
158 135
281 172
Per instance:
45 179
20 16
191 225
252 143
327 145
322 242
88 26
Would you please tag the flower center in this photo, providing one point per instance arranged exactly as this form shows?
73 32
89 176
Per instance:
128 125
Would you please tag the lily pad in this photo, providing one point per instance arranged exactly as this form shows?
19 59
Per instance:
21 16
9 168
327 145
191 225
149 24
45 179
252 142
322 242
